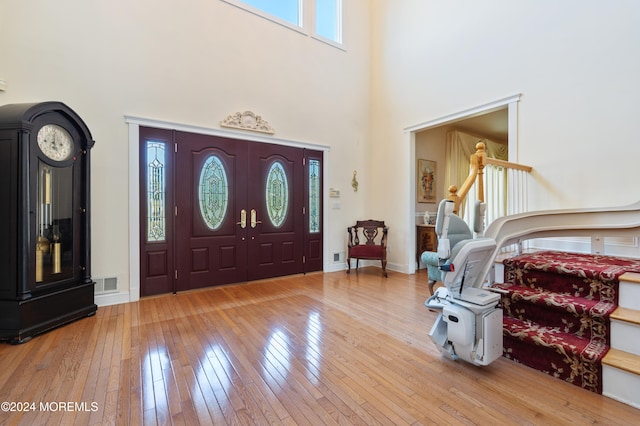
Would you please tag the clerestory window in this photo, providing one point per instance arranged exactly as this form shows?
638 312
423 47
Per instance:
287 10
326 15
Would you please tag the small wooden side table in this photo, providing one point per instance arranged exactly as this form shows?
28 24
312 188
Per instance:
426 240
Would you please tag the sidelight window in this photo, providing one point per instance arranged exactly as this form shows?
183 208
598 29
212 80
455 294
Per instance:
314 196
156 191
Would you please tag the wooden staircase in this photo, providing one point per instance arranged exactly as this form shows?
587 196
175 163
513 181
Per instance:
621 365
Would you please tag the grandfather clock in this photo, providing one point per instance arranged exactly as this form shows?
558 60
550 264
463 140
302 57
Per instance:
45 263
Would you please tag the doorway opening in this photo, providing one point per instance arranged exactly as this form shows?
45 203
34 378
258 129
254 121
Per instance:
498 120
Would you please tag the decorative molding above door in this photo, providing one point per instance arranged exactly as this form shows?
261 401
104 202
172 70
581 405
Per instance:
134 122
247 121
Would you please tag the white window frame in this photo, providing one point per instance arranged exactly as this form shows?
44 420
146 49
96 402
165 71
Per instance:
259 12
339 23
307 21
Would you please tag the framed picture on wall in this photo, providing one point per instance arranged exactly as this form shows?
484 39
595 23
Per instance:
426 181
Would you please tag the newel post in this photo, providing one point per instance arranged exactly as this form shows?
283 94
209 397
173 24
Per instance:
453 196
480 158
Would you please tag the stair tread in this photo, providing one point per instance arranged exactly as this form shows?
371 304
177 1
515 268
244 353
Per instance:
630 277
600 266
589 276
535 295
626 315
622 360
587 318
553 337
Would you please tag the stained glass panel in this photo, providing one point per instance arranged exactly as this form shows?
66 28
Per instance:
277 194
314 196
156 191
213 192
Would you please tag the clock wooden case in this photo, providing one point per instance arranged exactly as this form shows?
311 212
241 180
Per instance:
45 259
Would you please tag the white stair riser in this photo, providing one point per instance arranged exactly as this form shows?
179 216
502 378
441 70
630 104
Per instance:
498 271
629 296
621 385
625 336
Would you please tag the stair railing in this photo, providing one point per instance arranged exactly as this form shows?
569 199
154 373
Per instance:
501 184
519 226
595 223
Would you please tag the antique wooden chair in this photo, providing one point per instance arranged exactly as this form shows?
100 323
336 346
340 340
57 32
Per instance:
371 248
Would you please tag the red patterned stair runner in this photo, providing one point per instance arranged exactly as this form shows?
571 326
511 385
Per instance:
556 312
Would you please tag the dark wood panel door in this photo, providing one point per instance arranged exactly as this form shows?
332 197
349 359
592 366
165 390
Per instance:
211 182
275 204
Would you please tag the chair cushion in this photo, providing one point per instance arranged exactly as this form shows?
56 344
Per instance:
429 257
434 273
366 251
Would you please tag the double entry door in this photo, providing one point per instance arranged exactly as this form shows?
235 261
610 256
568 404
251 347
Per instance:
216 210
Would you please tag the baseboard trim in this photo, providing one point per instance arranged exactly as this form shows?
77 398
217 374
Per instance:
111 298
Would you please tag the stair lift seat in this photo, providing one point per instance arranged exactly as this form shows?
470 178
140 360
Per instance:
457 231
469 324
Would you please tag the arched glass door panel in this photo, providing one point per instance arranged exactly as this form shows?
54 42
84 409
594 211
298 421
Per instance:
277 194
213 192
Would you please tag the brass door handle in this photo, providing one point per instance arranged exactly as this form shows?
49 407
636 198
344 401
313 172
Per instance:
243 219
254 220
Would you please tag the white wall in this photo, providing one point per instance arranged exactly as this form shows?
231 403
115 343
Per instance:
430 145
574 62
193 63
406 62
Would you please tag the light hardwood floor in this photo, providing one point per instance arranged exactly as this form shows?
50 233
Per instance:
307 350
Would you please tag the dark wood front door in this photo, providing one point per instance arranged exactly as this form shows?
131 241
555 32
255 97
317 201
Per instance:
210 246
275 208
240 212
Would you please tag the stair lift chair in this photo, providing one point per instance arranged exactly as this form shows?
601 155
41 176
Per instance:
457 231
469 323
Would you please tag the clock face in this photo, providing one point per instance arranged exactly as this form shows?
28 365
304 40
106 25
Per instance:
55 142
